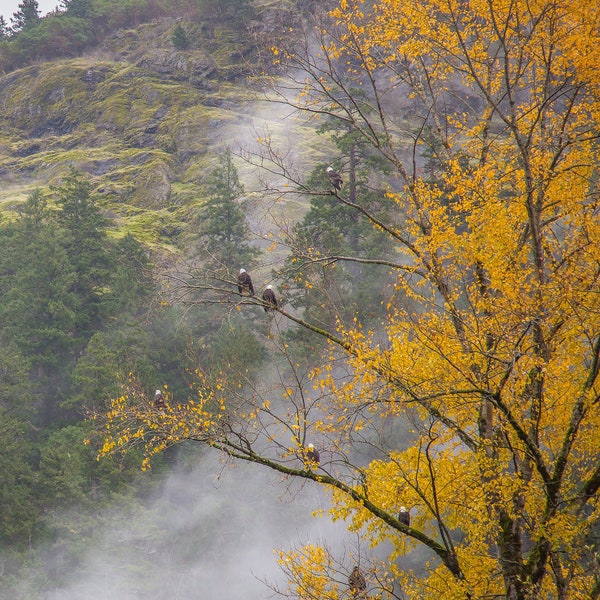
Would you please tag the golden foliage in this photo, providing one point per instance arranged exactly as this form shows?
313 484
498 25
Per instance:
494 356
135 420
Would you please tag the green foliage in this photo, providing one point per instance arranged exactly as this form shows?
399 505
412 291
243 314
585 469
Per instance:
39 308
27 16
70 475
131 278
78 8
234 349
62 281
179 38
95 376
16 390
87 246
65 467
223 225
78 307
232 11
332 231
156 349
3 28
111 15
336 270
53 36
18 497
83 24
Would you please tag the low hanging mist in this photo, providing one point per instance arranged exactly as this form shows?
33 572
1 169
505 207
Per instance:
210 531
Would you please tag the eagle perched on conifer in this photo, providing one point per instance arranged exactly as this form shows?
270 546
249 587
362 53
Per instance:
335 179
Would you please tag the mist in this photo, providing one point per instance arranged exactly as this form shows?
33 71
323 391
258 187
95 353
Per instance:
210 531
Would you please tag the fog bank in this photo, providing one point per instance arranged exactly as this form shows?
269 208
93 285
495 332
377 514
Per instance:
209 532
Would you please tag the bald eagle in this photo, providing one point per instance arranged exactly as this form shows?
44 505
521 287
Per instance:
335 178
312 454
244 282
357 583
404 516
159 399
269 298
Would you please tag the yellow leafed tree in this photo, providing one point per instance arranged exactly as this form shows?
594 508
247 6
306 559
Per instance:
487 115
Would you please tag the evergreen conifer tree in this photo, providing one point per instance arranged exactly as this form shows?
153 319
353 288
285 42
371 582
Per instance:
130 280
27 16
96 375
3 28
179 38
38 306
224 227
88 249
333 231
19 501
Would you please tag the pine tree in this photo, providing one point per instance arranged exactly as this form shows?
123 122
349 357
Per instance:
88 249
179 38
38 306
20 503
336 233
130 278
3 28
95 376
16 393
27 16
224 228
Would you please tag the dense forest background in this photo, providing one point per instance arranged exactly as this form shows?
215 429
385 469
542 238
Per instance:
117 130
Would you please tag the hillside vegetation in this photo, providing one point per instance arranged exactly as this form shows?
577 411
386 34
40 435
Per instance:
380 286
108 155
141 118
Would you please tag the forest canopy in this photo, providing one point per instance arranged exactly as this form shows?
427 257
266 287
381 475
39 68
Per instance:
76 26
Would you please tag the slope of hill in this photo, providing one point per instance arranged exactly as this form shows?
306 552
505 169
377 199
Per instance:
141 118
145 122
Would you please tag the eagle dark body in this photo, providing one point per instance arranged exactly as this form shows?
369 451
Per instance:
270 299
404 516
313 454
244 283
159 399
357 583
335 179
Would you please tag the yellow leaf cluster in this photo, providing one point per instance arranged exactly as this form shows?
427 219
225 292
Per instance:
133 420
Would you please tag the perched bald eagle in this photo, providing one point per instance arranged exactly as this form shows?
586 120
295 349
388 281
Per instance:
335 178
404 516
244 282
269 298
312 454
159 399
357 583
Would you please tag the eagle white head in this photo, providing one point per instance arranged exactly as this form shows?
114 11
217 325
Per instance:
329 169
242 271
269 287
403 509
311 447
157 393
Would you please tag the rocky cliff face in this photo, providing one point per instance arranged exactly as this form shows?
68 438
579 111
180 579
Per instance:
141 118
